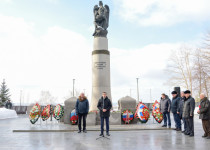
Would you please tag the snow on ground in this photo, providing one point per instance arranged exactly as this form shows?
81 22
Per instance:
7 113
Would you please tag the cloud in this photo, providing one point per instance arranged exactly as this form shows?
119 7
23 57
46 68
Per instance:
163 12
50 61
147 63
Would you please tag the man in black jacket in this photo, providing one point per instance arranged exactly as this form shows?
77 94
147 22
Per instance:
188 113
82 109
180 110
104 105
174 108
204 111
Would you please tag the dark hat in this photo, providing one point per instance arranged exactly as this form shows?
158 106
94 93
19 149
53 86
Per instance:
187 92
174 92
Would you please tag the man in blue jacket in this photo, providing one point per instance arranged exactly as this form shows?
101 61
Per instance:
174 108
82 109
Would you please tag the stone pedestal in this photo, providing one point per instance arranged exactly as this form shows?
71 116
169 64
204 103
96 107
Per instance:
69 106
100 70
91 119
128 103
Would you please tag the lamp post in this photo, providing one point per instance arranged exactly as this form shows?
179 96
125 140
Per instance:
137 79
73 86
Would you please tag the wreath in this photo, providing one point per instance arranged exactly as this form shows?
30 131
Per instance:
127 116
46 112
35 113
156 112
73 117
142 113
58 112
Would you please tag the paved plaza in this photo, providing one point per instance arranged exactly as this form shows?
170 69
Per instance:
144 137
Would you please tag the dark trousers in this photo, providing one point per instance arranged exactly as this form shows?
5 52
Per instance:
206 127
185 125
80 118
190 125
177 120
166 116
102 124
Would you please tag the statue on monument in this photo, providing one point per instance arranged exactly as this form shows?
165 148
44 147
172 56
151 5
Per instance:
101 19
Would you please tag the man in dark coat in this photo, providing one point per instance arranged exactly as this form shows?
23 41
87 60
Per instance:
180 110
174 108
204 111
188 113
165 107
82 109
8 104
104 106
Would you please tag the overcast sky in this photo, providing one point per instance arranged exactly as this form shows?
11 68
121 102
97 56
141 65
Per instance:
44 44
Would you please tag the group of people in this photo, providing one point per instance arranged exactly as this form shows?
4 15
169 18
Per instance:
82 109
182 109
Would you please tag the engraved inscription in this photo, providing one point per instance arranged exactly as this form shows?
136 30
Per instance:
100 65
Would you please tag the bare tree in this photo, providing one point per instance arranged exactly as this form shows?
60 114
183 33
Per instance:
180 68
47 98
200 72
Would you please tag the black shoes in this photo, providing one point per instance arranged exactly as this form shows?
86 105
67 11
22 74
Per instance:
191 135
85 131
178 130
204 136
107 134
79 131
101 135
164 125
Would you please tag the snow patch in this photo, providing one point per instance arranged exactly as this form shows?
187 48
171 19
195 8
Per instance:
7 113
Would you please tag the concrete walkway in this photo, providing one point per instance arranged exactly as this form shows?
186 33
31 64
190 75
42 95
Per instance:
153 138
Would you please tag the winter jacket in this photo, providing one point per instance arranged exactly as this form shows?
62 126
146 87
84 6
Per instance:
165 105
204 109
82 106
189 107
175 104
8 105
180 107
104 104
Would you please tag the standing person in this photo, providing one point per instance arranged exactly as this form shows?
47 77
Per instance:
82 109
165 107
8 104
104 105
174 108
180 110
188 113
204 111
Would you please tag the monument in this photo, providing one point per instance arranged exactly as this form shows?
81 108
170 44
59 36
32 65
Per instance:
100 55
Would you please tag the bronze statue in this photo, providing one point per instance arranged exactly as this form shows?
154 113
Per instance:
101 19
